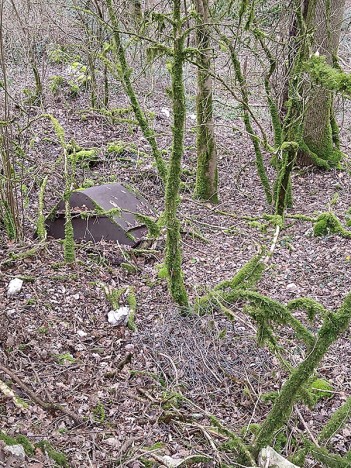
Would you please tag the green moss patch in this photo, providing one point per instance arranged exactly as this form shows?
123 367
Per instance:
329 223
331 78
320 388
18 440
58 457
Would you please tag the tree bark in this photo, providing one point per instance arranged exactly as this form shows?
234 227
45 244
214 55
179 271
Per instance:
319 129
173 256
207 175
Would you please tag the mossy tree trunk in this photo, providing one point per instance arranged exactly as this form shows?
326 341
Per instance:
291 130
207 175
125 72
173 258
247 120
320 133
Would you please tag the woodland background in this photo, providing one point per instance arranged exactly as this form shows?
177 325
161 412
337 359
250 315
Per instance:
232 119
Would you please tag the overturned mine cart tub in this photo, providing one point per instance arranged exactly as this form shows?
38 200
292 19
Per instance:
102 212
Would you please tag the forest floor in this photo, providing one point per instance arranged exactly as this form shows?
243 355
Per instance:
178 370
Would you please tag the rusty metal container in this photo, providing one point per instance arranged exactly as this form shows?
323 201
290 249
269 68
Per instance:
90 219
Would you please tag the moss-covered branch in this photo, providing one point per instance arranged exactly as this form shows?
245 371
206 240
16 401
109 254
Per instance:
247 276
272 105
324 456
312 307
333 326
41 230
266 310
124 72
68 171
341 416
235 444
247 120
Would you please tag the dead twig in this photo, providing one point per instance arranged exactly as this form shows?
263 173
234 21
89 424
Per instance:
173 365
273 245
305 425
48 406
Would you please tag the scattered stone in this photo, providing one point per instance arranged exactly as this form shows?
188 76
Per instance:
16 450
112 442
165 112
171 462
14 287
119 316
292 287
81 333
10 312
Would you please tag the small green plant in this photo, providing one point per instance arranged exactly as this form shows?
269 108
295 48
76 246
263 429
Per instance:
126 295
124 151
73 89
99 413
58 54
171 400
31 301
132 304
162 271
31 96
65 358
56 83
88 183
79 78
113 296
118 147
